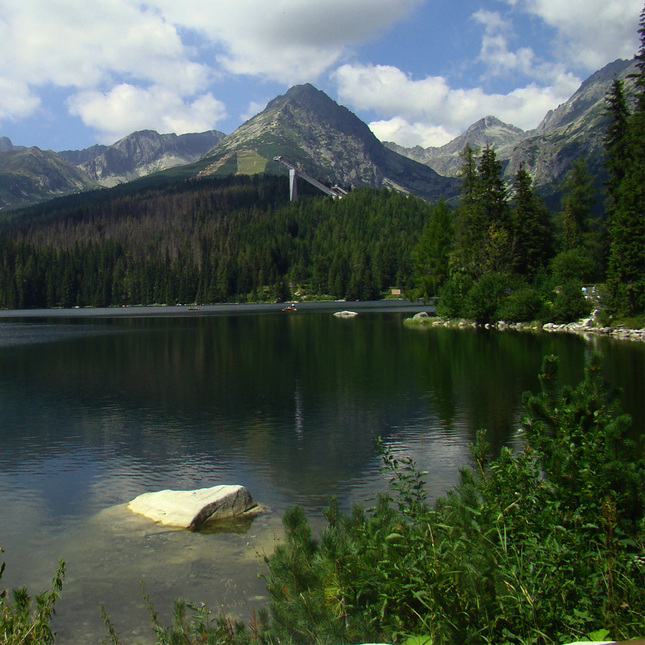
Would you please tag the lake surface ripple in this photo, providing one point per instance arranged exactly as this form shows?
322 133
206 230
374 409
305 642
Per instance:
101 406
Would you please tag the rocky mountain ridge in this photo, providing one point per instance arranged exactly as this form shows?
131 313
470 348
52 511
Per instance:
30 175
326 140
575 128
6 145
445 159
323 139
139 154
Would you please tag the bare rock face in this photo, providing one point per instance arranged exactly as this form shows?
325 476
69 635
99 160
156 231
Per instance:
191 508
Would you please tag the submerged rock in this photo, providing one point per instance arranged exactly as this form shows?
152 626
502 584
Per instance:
192 508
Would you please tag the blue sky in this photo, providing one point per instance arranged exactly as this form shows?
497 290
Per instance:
78 72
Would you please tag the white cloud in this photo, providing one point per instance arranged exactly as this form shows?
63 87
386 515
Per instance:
495 52
590 32
410 134
285 40
429 109
126 108
83 44
119 57
16 100
129 64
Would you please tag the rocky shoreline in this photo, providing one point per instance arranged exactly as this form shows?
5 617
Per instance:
584 327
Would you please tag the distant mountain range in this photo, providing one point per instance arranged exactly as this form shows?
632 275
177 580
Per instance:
29 175
325 140
574 129
141 153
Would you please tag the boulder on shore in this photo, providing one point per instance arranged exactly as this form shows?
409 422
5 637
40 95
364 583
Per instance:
191 508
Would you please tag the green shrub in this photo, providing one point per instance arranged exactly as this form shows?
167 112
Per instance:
569 304
26 621
576 264
522 305
542 546
452 295
486 296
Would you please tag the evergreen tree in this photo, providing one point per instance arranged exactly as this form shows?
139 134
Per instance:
491 191
577 201
532 227
626 267
483 241
468 233
616 141
432 253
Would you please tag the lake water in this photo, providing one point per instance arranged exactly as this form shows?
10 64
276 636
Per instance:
100 406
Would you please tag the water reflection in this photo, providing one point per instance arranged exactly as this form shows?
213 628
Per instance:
97 411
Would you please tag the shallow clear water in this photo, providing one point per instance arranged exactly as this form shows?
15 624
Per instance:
99 408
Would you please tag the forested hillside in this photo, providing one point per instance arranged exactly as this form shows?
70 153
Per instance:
209 240
502 255
497 253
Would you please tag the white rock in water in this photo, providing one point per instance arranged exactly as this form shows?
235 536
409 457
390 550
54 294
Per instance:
191 508
345 314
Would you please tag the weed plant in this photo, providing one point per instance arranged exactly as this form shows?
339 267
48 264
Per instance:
25 620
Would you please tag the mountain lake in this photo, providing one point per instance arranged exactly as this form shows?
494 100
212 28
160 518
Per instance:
99 406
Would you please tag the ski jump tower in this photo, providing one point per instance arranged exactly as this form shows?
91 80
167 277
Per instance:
336 191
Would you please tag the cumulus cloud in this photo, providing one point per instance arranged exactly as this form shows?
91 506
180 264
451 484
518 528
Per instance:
410 135
16 99
130 64
434 112
495 53
289 41
590 32
430 111
82 44
124 64
120 57
127 108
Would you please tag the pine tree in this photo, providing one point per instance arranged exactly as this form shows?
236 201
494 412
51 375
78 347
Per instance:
616 140
465 257
626 267
491 191
532 227
483 240
431 255
577 202
494 215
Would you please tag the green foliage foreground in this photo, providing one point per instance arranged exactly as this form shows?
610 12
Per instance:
542 545
26 621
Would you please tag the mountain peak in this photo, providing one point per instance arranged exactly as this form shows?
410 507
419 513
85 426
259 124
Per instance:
324 139
306 101
5 144
492 122
590 94
305 93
